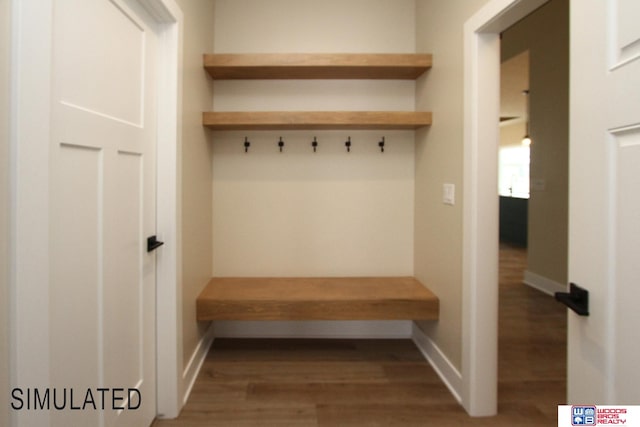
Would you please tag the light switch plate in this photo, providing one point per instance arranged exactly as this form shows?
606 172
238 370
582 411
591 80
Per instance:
449 194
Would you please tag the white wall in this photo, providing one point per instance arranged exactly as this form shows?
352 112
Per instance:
5 39
300 213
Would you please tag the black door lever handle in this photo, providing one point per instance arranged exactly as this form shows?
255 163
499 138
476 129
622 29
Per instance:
153 243
577 299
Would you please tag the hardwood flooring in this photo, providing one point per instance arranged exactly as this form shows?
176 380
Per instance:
532 341
384 382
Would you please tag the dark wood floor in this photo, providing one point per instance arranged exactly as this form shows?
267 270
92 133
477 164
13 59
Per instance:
384 382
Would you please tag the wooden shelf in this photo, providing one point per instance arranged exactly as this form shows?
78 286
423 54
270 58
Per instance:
327 120
317 66
363 298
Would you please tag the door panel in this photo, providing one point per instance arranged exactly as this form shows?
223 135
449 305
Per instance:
125 292
103 208
626 30
76 269
101 43
603 348
627 275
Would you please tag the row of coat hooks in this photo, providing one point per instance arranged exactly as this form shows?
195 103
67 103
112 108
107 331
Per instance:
314 144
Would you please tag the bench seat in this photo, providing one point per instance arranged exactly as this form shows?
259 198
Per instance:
350 298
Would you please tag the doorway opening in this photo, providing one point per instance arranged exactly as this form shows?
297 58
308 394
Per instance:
534 114
514 151
480 213
482 112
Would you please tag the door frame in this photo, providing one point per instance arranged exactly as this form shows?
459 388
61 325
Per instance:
30 134
480 200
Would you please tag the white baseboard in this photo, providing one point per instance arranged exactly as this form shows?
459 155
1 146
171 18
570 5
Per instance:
195 362
543 284
438 360
313 329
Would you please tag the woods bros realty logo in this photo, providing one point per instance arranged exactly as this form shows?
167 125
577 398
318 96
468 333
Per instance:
592 415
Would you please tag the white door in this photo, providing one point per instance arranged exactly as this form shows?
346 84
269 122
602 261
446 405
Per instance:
604 252
102 187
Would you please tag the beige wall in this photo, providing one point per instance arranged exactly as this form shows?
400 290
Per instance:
5 39
546 34
511 134
308 26
298 213
195 167
438 227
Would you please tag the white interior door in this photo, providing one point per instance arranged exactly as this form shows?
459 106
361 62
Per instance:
102 187
603 348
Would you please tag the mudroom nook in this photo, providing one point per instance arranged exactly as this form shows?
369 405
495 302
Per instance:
321 296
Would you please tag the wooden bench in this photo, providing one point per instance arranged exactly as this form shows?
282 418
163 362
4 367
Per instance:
353 298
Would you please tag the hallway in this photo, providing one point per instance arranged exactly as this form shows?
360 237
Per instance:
384 382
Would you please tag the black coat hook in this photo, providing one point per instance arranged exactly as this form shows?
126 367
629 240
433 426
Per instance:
314 144
381 145
281 144
247 144
348 145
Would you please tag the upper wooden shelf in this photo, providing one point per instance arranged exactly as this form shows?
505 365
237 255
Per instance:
317 66
323 120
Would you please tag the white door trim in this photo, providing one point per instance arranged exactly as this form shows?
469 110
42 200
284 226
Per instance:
29 212
169 352
480 212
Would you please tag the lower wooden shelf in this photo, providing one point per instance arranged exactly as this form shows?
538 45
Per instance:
353 298
322 120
